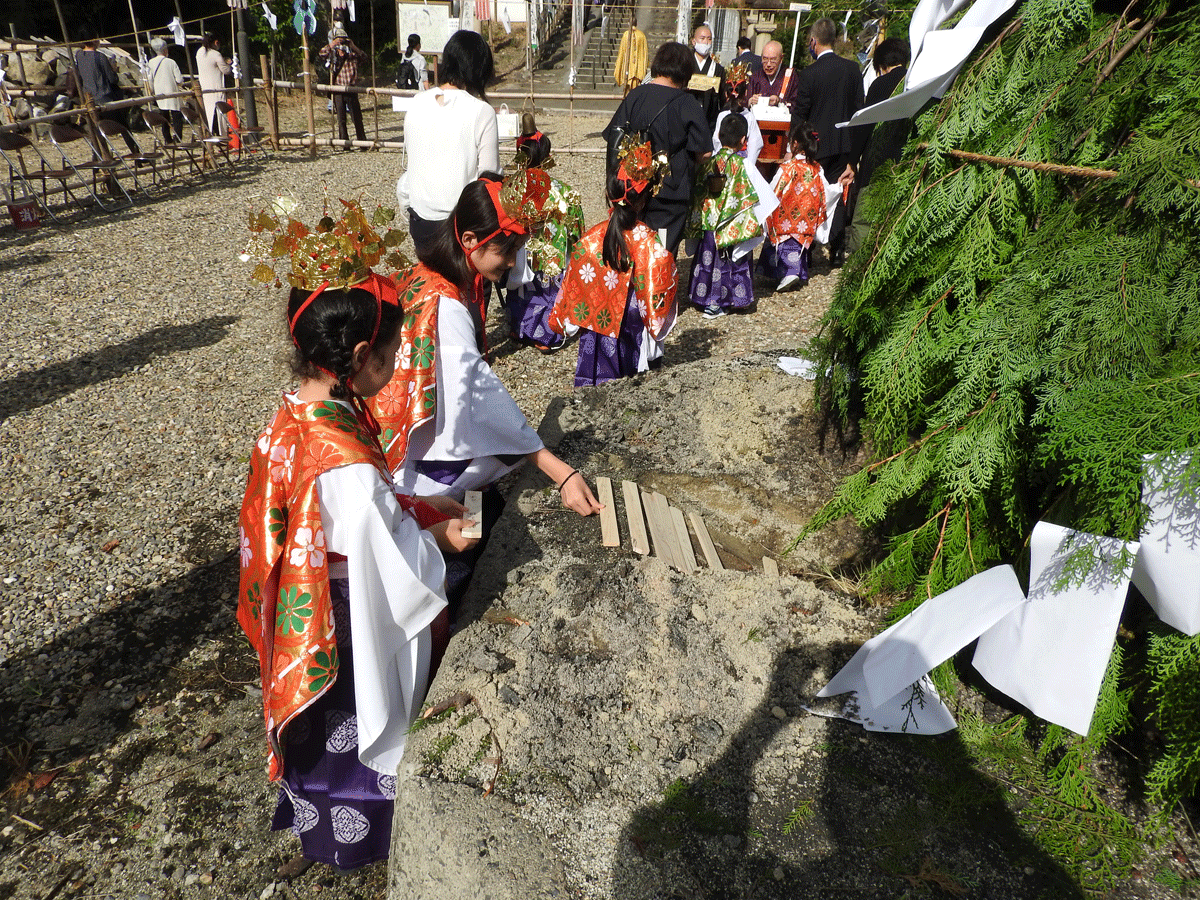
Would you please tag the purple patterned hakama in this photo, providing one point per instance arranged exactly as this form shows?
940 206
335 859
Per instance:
789 258
717 280
340 809
602 358
528 309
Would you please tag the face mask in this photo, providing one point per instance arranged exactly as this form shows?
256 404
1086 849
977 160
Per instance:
703 49
812 51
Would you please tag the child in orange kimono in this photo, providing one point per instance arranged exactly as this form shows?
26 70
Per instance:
341 589
800 188
619 291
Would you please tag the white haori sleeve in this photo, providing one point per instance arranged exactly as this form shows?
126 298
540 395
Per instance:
833 193
476 416
396 576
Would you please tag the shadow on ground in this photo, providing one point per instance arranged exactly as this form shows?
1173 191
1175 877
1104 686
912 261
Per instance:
883 816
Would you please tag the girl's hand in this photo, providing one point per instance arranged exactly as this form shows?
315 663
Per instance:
449 535
447 506
578 496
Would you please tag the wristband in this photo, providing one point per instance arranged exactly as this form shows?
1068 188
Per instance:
562 483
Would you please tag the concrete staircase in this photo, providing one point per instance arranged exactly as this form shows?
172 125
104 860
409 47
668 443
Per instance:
598 55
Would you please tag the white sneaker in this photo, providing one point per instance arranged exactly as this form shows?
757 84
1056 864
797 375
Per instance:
713 312
787 282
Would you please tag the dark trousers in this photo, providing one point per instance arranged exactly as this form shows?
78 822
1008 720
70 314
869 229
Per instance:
174 123
671 215
121 117
340 104
422 230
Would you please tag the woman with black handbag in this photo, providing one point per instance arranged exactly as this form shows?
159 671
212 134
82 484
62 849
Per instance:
662 111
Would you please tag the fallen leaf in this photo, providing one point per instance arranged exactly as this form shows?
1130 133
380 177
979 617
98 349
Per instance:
208 740
111 546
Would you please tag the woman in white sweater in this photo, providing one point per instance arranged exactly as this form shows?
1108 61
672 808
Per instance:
450 135
211 69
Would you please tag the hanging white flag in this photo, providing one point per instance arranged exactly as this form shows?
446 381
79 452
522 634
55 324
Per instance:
176 28
271 18
236 67
352 19
506 20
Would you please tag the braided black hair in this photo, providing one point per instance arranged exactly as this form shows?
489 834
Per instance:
329 329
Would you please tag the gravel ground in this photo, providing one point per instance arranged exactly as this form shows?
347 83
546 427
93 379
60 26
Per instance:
140 363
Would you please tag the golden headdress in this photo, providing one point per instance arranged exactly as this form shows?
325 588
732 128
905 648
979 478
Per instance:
337 253
736 75
639 167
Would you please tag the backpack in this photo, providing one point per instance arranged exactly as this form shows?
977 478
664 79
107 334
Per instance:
406 76
618 132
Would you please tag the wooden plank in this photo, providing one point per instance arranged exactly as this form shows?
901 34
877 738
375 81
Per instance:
706 542
658 528
609 535
633 515
473 501
770 567
686 555
664 513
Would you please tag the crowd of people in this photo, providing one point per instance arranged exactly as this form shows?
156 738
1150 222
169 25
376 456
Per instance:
355 545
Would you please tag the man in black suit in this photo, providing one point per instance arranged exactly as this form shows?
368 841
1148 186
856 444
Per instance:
828 91
747 55
707 67
875 145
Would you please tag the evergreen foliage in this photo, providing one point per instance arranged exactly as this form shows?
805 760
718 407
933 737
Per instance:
1013 341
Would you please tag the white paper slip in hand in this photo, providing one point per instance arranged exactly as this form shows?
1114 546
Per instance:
473 501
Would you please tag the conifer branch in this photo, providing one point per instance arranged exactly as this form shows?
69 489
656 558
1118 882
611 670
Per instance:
912 334
937 552
1126 50
1053 168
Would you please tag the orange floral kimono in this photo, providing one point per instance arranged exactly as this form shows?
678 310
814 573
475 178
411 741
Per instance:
284 603
594 297
801 207
410 398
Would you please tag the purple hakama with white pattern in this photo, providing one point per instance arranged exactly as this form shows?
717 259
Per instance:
719 281
340 809
529 308
790 258
602 358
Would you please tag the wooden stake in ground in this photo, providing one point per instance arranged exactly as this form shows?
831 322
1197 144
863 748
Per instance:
609 535
686 555
659 528
633 515
706 542
663 510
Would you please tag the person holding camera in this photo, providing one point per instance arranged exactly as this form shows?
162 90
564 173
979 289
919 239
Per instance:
343 57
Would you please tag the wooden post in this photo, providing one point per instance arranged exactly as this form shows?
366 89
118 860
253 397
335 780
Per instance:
146 86
308 93
374 79
92 121
529 49
269 96
237 81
